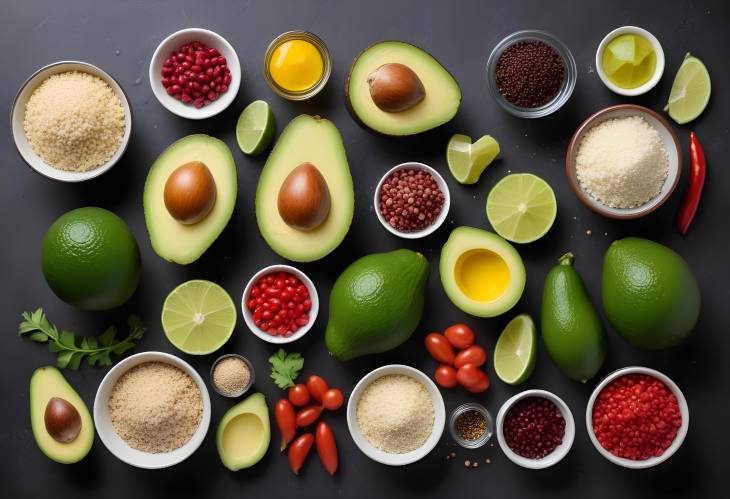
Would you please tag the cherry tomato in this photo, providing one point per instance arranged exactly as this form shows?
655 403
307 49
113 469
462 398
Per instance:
445 376
286 421
460 336
439 348
317 386
333 399
299 450
472 378
473 355
326 447
309 415
299 395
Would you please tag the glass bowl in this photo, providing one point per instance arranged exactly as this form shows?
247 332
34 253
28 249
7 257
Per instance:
477 442
566 88
326 70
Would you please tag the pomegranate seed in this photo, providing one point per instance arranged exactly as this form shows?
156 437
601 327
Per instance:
186 98
227 79
196 69
199 102
166 82
212 95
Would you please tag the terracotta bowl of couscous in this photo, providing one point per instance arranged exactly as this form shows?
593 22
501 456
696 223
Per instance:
71 121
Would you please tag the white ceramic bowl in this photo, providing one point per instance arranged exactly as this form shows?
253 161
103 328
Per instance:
373 452
444 210
115 444
658 71
248 315
678 439
560 451
17 114
174 42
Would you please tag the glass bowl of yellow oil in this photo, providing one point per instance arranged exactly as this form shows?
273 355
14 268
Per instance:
297 65
630 61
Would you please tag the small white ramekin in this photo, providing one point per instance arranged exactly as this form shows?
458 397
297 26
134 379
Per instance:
658 71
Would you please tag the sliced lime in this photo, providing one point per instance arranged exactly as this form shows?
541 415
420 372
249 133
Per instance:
516 349
198 317
690 91
255 128
521 207
467 161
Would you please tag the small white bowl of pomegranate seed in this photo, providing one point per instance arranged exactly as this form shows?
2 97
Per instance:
280 304
195 73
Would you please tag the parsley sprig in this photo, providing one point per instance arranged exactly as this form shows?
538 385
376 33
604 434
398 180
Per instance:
285 368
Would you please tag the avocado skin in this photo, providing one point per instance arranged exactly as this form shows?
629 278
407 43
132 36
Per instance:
571 328
376 304
650 294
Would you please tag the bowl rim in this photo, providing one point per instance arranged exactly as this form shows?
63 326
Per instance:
376 454
313 311
679 437
658 70
103 425
251 380
191 112
92 69
444 209
591 121
560 451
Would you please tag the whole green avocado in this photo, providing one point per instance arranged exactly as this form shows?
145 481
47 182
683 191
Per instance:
650 294
376 303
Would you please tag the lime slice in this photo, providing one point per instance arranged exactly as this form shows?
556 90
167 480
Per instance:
690 91
516 349
521 207
198 317
467 161
255 128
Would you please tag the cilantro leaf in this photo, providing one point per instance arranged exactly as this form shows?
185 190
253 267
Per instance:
285 368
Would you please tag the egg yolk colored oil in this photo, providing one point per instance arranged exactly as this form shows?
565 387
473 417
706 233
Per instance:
296 65
482 275
629 60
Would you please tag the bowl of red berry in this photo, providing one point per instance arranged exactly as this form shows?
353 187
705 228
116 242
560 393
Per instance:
195 73
280 304
412 200
535 429
637 417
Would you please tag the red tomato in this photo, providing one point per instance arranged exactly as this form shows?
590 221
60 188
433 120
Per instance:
299 450
445 376
472 378
326 447
473 355
439 348
333 399
317 386
309 415
460 336
299 395
286 421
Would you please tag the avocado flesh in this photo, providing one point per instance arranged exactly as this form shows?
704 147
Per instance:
244 433
440 104
376 304
306 139
172 240
48 382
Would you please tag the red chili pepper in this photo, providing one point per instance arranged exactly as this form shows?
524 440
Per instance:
694 189
326 447
286 421
308 415
299 450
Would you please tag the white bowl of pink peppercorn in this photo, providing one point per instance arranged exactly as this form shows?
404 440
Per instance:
295 287
666 393
214 53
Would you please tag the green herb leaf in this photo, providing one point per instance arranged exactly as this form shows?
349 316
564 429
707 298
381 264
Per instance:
285 368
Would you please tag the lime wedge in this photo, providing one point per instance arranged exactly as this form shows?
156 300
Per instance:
521 207
198 317
690 91
516 349
467 161
255 128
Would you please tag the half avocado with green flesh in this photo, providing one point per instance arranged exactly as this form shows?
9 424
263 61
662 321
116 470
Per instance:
244 433
61 422
316 141
438 105
171 239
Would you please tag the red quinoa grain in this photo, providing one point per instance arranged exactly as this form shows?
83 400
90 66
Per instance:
529 73
410 200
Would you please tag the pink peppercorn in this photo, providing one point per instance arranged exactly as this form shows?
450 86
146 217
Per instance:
533 427
280 304
410 200
195 74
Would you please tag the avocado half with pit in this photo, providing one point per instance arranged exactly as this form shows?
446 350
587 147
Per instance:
383 95
197 170
481 273
244 433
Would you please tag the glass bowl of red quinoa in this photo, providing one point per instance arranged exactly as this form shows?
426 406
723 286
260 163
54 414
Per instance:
661 420
531 73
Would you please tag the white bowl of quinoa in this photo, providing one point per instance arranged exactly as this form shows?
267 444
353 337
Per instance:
71 121
152 410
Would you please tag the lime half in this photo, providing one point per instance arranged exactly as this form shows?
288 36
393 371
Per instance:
690 91
255 128
467 161
516 349
521 207
198 317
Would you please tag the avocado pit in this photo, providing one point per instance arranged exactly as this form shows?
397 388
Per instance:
304 198
190 193
62 420
395 87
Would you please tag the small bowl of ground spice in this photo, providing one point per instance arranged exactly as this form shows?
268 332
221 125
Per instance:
531 73
471 425
232 375
412 200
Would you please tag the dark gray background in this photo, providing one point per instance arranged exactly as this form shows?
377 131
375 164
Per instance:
121 36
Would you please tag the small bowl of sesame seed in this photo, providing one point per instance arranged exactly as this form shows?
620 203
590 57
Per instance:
232 375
